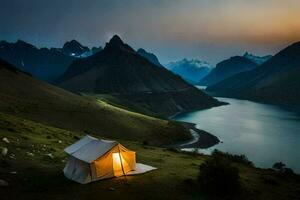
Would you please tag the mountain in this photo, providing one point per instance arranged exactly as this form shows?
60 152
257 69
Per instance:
121 71
191 70
227 68
45 64
149 56
23 96
74 48
257 59
275 81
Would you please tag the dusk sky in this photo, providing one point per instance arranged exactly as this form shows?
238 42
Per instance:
209 30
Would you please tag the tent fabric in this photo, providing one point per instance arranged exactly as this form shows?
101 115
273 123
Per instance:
89 148
92 159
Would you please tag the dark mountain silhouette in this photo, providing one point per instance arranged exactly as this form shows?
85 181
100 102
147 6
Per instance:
74 48
275 81
45 64
190 70
121 71
149 56
227 68
23 96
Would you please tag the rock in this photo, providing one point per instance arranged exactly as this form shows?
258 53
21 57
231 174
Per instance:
5 140
4 151
112 189
3 183
14 172
50 155
12 156
29 154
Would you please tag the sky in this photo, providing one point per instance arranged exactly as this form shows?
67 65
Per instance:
210 30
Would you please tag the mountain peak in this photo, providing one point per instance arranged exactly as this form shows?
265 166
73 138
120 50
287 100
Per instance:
73 43
116 40
74 48
116 43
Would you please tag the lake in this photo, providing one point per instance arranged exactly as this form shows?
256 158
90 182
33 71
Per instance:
264 133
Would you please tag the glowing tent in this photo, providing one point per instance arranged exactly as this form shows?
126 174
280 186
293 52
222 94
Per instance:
92 159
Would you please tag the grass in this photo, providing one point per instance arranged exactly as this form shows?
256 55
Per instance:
40 177
35 100
116 102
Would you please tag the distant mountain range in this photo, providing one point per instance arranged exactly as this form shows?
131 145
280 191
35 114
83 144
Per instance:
191 70
227 68
275 81
43 63
120 70
149 56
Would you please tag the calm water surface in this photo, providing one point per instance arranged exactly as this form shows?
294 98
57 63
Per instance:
264 133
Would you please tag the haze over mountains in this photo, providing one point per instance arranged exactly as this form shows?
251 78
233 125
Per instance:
257 59
226 69
275 81
191 70
121 71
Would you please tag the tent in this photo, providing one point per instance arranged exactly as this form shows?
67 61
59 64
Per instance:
91 159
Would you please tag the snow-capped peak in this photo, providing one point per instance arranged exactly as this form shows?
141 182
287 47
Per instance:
257 59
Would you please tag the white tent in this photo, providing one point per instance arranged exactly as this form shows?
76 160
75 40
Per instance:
92 159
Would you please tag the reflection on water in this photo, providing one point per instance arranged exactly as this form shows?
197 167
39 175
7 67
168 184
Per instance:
264 133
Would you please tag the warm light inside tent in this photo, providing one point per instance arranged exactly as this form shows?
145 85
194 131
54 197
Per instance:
117 165
116 159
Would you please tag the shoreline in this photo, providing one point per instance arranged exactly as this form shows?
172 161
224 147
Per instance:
201 139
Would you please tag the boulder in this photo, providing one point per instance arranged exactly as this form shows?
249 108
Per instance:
5 140
4 151
3 183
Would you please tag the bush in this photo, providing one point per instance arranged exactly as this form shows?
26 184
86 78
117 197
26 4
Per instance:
234 158
217 176
281 167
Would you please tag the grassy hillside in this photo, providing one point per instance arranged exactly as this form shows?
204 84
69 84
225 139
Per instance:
32 174
23 96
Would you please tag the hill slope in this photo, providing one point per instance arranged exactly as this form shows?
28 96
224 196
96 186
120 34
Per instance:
23 96
274 81
227 68
120 71
39 176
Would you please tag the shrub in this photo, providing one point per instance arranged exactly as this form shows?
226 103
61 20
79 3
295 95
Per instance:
281 167
218 176
234 158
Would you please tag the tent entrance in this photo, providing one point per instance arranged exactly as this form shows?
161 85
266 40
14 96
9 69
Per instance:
118 164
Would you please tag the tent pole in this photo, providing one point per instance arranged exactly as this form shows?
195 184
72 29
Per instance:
121 160
121 163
